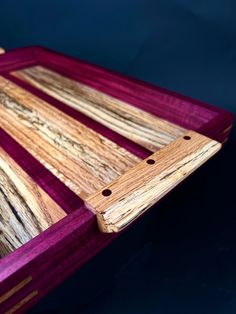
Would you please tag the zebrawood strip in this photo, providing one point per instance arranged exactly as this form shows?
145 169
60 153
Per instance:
82 159
25 209
142 186
135 124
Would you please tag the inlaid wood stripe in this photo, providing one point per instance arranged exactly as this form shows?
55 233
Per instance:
133 123
15 289
119 139
22 302
82 159
228 129
25 209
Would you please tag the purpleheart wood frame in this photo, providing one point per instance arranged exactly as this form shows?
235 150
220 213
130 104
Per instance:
54 254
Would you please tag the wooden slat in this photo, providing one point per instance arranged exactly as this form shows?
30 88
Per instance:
135 124
25 209
84 160
142 186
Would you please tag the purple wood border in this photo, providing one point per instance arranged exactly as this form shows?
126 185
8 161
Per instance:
17 59
176 108
75 239
52 256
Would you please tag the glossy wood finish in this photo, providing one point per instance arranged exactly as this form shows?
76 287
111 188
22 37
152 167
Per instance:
82 159
25 209
122 201
73 240
134 123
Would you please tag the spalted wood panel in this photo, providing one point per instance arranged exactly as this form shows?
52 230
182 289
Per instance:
81 158
137 125
142 186
25 209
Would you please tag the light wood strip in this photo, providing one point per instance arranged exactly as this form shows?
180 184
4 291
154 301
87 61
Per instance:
145 184
84 160
22 302
135 124
15 289
227 129
25 209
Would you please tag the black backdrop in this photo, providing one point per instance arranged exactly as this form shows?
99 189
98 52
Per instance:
181 257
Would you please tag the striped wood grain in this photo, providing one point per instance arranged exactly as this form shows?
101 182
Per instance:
145 184
135 124
25 209
82 159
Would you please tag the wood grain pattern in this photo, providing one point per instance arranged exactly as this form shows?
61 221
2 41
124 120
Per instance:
81 158
25 209
145 184
139 126
76 239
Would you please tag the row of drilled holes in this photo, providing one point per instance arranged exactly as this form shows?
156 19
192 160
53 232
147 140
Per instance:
108 192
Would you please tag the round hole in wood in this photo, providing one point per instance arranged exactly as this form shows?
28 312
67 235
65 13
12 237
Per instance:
106 192
187 138
150 161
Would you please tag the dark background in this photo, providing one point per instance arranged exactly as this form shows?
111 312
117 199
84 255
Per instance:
181 257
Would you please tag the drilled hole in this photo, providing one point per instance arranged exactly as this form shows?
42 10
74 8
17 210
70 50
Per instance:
187 138
106 192
150 161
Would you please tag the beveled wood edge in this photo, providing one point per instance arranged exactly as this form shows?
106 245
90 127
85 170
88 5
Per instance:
121 202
